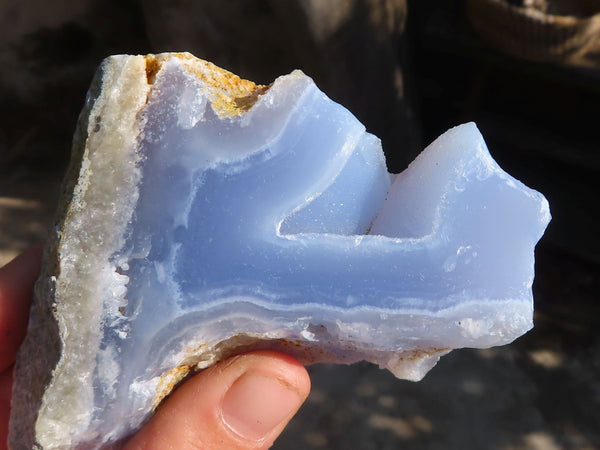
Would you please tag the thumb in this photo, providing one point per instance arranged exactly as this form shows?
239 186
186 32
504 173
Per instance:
241 403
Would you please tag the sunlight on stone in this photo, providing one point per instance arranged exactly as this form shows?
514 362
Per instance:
7 256
316 439
317 396
20 226
396 425
403 428
474 387
366 390
387 401
205 216
540 440
546 358
19 203
487 353
421 423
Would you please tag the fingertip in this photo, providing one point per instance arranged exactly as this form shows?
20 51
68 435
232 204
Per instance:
243 402
285 366
18 276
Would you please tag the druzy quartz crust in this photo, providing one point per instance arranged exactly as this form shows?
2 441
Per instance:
205 216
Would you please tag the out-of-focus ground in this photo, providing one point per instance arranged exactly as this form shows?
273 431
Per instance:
541 123
28 197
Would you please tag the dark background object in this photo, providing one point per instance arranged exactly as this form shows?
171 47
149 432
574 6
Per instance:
537 30
354 51
539 119
408 74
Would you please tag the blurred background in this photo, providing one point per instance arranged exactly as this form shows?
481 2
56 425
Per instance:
526 71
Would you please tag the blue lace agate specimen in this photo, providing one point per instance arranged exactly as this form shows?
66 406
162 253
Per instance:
206 216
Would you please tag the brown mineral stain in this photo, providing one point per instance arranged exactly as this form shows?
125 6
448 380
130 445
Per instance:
204 354
229 94
199 355
168 381
152 67
421 353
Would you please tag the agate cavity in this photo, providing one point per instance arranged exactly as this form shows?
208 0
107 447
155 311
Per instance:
205 216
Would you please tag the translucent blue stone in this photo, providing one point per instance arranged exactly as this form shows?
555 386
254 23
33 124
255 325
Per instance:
279 227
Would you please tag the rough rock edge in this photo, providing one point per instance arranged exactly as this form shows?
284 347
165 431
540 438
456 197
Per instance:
230 95
32 379
36 363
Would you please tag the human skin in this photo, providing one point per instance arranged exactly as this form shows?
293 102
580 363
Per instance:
244 402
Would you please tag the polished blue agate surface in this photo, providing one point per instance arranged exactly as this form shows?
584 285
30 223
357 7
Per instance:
210 216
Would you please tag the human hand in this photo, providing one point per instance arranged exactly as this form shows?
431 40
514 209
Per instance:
243 402
16 289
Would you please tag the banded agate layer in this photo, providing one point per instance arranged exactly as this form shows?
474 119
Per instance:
206 216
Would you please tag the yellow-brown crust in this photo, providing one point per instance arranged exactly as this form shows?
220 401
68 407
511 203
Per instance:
168 381
229 94
153 65
421 353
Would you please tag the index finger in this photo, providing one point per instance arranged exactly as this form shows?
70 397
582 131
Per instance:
16 289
